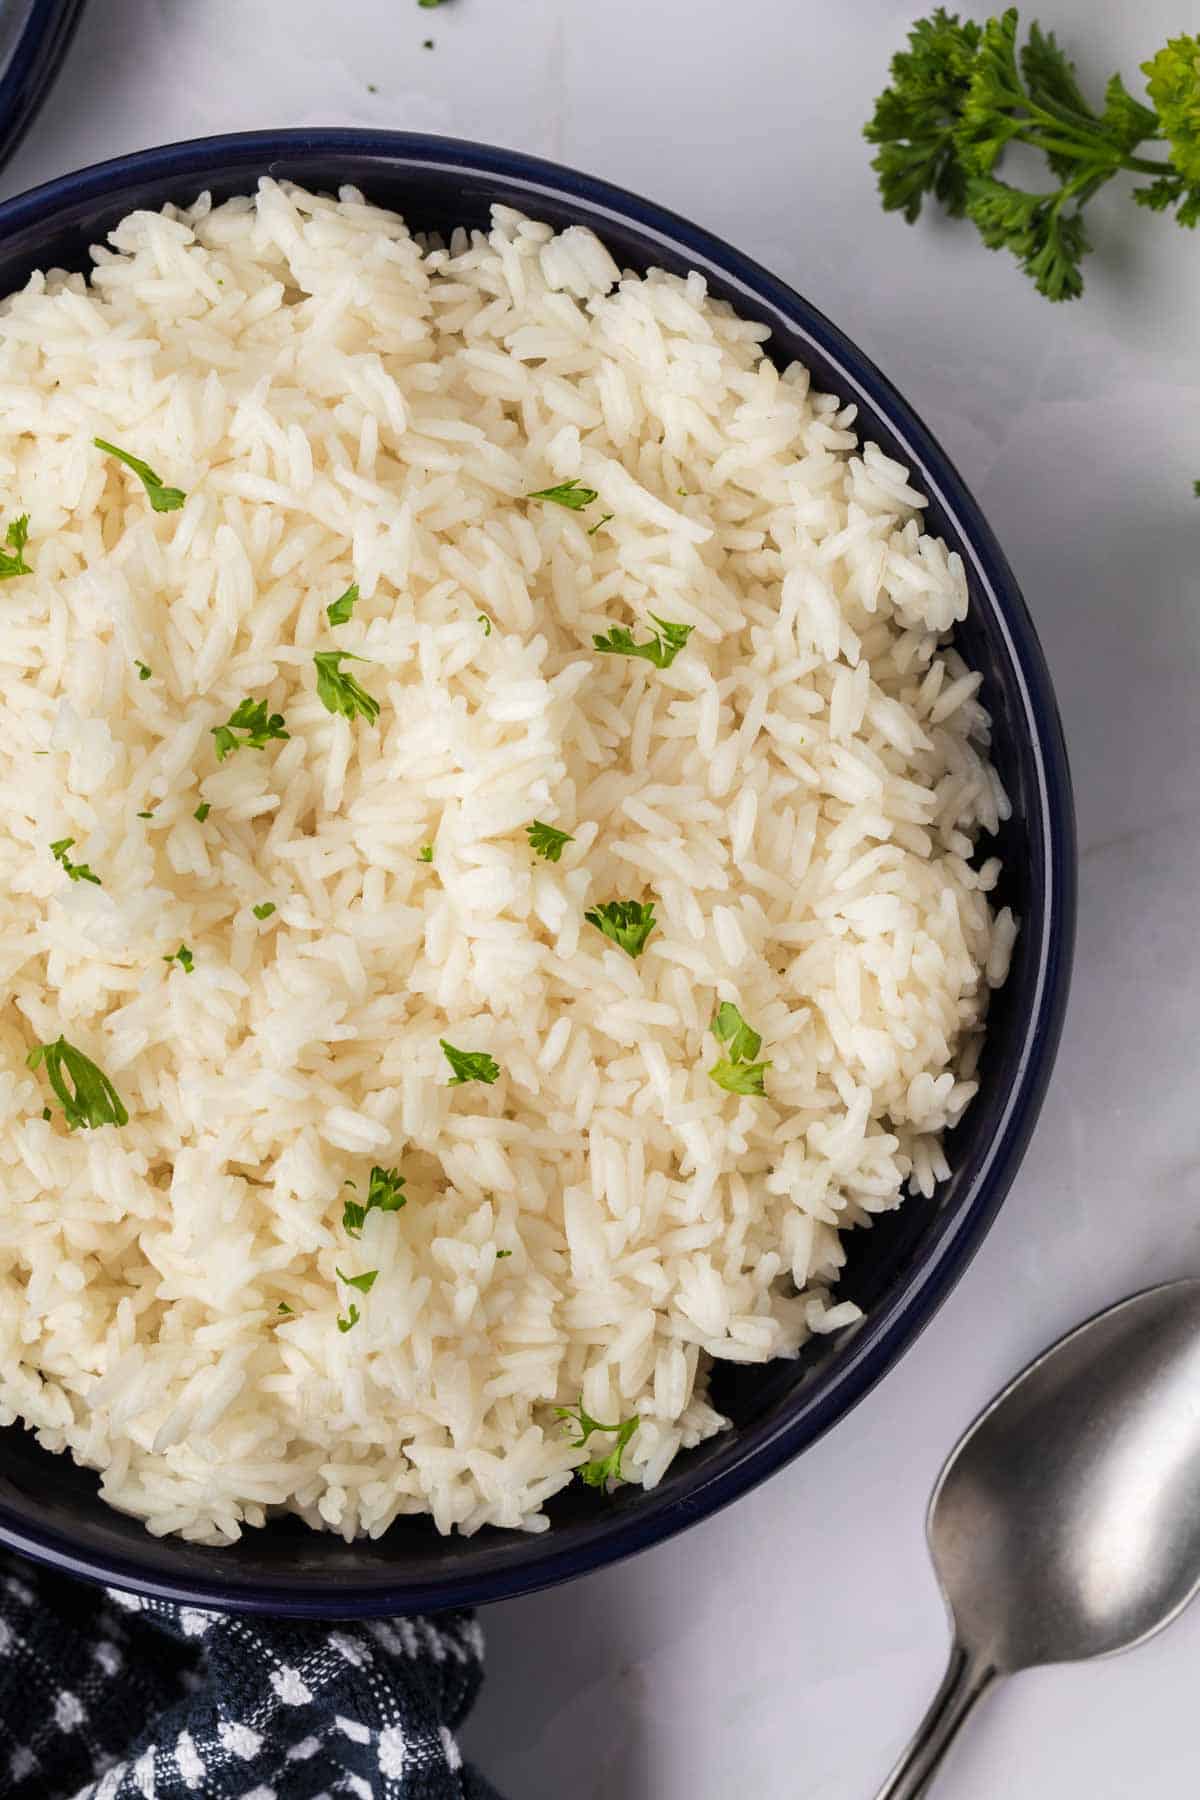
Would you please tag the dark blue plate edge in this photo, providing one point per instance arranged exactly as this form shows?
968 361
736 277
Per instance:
879 1342
32 68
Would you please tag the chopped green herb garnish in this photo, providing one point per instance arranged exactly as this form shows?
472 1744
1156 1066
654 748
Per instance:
502 1253
364 1283
431 3
602 520
144 671
661 647
627 922
94 1101
183 957
469 1065
47 1114
145 815
427 43
602 1469
340 693
385 1193
77 871
258 729
339 612
740 1078
202 811
546 840
264 909
729 1027
351 1319
283 1307
962 93
425 853
162 498
486 623
571 494
16 538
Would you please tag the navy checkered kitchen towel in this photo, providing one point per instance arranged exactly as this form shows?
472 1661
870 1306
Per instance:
108 1697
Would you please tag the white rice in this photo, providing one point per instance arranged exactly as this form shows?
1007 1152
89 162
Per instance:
800 794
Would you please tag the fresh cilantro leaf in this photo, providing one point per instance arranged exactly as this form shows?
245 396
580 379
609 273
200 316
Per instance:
547 841
341 693
183 957
256 727
351 1319
740 1077
661 648
730 1029
627 922
425 853
341 609
91 1100
16 538
469 1065
264 909
202 811
571 494
76 871
364 1283
144 671
602 1469
162 498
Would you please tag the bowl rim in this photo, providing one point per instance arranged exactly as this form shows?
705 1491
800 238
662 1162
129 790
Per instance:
535 1562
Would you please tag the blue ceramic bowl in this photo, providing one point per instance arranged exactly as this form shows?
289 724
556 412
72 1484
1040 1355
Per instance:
902 1269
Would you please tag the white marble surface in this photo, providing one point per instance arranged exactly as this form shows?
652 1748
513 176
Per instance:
782 1650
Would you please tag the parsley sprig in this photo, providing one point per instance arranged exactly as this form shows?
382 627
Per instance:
162 498
385 1193
77 871
547 841
469 1065
249 727
15 538
571 494
962 93
91 1099
737 1072
601 1470
627 922
339 612
339 692
661 647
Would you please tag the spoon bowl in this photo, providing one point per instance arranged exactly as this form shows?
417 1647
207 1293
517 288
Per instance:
1066 1522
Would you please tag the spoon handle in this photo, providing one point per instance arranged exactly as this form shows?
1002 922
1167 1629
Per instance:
966 1680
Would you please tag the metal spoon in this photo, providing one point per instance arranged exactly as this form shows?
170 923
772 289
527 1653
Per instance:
1066 1523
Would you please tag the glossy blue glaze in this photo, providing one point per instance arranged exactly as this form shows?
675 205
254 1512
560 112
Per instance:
34 37
903 1268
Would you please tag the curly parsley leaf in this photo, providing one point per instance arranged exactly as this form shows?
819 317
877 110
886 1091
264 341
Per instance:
283 1307
76 871
264 909
144 671
627 922
183 957
364 1283
425 853
340 611
202 811
339 692
16 538
249 727
571 494
961 95
91 1099
661 648
162 498
469 1065
547 841
601 1470
740 1078
729 1028
351 1319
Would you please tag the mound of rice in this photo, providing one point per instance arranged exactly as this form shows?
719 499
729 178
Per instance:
799 794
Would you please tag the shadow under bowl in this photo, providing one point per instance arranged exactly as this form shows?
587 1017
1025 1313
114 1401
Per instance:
902 1268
